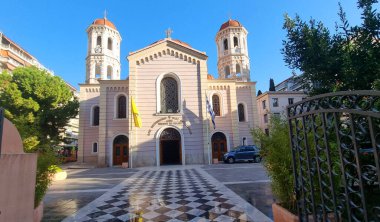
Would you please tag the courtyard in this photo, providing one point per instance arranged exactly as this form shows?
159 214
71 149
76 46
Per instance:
220 192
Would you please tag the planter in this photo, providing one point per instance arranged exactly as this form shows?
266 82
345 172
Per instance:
60 176
38 212
281 214
124 165
215 161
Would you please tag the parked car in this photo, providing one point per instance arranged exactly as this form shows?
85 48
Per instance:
250 153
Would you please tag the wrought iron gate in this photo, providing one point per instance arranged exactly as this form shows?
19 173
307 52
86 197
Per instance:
335 141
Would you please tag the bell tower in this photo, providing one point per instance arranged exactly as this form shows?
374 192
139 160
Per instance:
103 51
233 60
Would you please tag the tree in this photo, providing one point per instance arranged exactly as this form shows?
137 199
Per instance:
271 85
346 60
259 93
40 105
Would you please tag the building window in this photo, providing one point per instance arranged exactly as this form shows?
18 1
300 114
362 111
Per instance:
238 70
227 71
99 41
169 95
216 105
95 147
98 71
290 101
109 45
95 116
267 132
121 107
264 104
225 43
109 72
265 118
241 112
244 141
275 102
236 42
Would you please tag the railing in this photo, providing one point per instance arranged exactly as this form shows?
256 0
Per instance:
335 141
1 125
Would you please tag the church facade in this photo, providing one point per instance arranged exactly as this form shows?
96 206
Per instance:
170 85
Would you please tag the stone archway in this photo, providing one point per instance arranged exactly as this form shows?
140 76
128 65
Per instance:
120 150
219 145
170 147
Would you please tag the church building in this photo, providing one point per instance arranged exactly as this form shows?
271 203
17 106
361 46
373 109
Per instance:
170 85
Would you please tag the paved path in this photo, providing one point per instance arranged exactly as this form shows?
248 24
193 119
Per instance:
174 193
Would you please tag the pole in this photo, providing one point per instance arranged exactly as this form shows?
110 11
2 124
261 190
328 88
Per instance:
207 126
130 133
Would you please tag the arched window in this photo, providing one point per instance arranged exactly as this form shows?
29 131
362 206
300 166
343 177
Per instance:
227 71
109 72
216 105
98 69
236 43
169 95
109 45
121 107
95 116
225 43
241 113
238 70
99 41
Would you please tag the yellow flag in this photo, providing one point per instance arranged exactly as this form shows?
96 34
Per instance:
135 113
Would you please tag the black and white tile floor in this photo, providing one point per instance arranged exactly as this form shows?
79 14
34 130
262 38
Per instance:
178 193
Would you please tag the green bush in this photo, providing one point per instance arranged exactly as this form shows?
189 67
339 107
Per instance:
46 166
277 156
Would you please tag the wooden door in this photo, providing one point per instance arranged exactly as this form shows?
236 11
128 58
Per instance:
219 148
117 154
120 154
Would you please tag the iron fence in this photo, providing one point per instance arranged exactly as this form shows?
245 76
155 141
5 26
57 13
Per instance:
335 141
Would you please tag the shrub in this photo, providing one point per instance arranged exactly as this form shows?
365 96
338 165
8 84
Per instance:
46 166
277 156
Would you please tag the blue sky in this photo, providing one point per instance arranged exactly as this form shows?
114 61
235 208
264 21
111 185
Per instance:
55 31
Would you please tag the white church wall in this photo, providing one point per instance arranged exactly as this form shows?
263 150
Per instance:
146 99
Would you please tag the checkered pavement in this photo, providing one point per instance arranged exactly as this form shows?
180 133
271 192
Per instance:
183 194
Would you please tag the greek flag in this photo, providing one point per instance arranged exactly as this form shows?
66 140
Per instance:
211 111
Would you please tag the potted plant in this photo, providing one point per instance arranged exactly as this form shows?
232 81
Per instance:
277 156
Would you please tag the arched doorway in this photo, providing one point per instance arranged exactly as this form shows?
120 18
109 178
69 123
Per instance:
170 147
120 150
219 145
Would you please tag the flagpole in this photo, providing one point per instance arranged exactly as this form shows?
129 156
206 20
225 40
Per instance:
208 136
131 115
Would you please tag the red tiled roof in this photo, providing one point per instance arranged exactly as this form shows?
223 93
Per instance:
104 21
230 23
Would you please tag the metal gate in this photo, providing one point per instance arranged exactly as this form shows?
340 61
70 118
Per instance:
335 141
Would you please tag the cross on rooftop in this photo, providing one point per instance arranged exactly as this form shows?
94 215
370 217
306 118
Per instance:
168 32
105 13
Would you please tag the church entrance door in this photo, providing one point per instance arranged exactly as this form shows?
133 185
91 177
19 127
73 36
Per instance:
170 147
120 150
219 145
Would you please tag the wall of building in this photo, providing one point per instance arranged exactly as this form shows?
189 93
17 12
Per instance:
145 152
88 134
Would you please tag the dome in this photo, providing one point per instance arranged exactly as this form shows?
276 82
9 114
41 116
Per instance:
210 77
230 23
104 21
